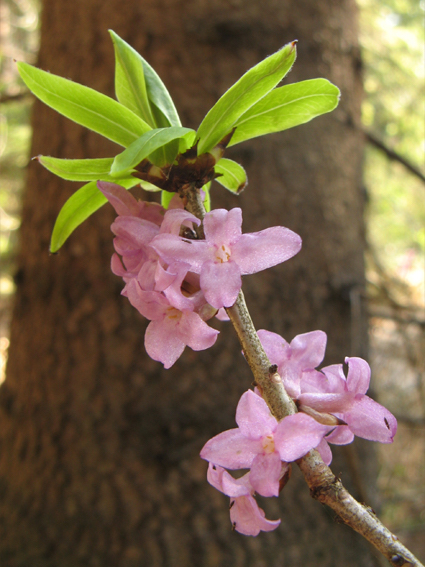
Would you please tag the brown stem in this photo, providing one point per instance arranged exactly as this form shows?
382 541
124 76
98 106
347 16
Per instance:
324 485
193 203
266 377
328 489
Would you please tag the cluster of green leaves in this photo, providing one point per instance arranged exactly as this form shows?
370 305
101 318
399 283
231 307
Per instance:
392 37
145 122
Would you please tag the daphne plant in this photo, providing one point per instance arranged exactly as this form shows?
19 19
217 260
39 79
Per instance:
182 264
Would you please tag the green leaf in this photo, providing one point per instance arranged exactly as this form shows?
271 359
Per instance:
130 85
83 203
233 175
161 103
166 197
79 169
144 146
250 88
146 186
186 142
286 107
166 154
84 105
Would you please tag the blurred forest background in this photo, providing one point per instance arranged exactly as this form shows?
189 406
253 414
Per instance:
392 39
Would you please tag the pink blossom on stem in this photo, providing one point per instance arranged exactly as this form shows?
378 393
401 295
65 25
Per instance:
327 395
329 391
164 292
246 516
126 205
295 360
226 254
261 443
170 329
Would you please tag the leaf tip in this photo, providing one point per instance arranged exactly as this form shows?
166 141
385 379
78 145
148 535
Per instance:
115 38
54 244
293 48
241 187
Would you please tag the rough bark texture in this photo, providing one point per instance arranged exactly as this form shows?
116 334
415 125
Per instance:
99 445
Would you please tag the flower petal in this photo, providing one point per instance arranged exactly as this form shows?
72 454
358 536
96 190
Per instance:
277 349
308 349
222 315
358 378
173 292
162 343
297 434
236 487
341 435
223 227
172 248
334 403
224 482
336 378
315 382
231 449
137 232
260 250
122 200
265 474
173 220
195 332
248 519
117 267
253 416
221 283
325 451
150 304
370 420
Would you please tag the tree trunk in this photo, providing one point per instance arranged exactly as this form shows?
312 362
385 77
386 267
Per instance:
99 460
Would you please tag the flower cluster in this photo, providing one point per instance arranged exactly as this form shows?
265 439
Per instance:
332 409
178 281
263 445
327 395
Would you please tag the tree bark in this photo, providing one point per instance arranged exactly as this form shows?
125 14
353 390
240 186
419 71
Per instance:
99 444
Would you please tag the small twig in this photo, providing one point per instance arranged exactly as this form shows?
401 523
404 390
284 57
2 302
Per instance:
5 98
326 488
266 377
403 319
393 155
380 144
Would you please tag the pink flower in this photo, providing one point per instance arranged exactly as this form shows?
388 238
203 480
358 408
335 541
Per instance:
246 516
329 391
166 293
226 254
327 395
295 360
261 443
170 329
126 205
